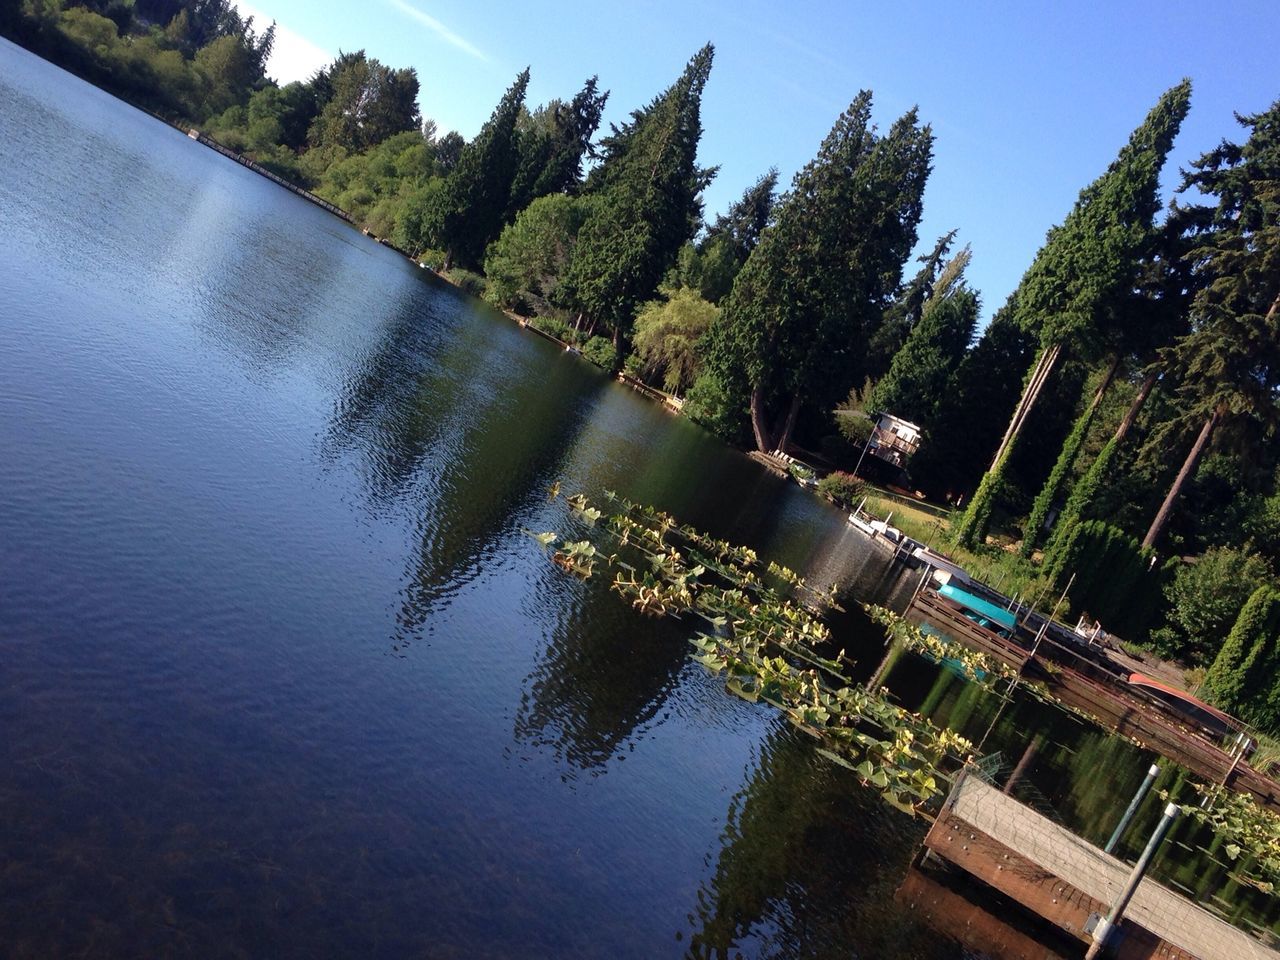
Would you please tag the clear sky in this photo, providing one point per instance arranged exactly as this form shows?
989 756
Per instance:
1029 101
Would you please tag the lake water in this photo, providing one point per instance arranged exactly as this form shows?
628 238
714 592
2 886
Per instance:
282 675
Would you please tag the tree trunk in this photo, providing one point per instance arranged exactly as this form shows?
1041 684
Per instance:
1039 374
1112 366
1188 467
448 261
1033 532
789 424
759 422
1087 486
972 529
1135 407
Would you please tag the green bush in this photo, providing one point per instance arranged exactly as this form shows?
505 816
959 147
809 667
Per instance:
843 488
854 426
801 472
467 281
1242 676
600 351
1114 578
1205 598
556 328
432 257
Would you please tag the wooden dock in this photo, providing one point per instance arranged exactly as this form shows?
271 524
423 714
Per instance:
1068 881
1086 688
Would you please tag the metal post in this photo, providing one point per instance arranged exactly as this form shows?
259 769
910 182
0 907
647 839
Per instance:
1138 797
1102 932
865 445
1045 628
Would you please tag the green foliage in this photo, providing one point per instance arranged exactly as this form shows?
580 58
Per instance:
366 103
472 283
648 206
801 473
1092 260
844 488
1251 834
667 333
1205 598
556 327
1115 579
981 395
1228 366
717 407
1243 677
765 636
468 213
715 262
856 427
601 352
794 328
1033 529
526 261
915 387
971 531
903 313
553 141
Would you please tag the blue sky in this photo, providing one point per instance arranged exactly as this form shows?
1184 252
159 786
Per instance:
1028 101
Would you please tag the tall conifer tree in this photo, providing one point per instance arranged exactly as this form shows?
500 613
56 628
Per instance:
1229 365
649 205
468 213
1084 264
795 326
916 384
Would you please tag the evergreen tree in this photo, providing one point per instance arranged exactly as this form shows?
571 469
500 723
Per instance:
554 141
1084 265
363 102
904 312
980 396
1229 364
795 327
648 204
469 211
1157 311
1242 675
742 224
916 385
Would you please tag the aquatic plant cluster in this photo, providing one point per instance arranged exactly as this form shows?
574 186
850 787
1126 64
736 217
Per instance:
1245 829
764 632
976 666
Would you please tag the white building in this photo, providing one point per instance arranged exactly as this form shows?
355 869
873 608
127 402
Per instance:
893 440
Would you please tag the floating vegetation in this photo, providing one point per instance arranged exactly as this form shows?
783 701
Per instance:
976 666
764 632
1247 832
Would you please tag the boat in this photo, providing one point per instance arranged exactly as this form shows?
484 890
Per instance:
982 612
945 570
1209 718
